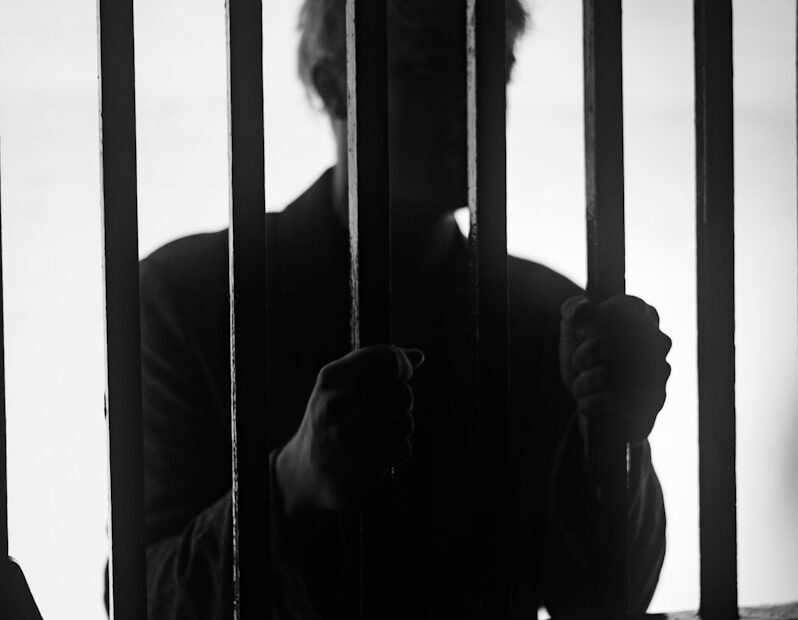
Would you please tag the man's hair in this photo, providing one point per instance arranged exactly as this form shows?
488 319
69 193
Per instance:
322 26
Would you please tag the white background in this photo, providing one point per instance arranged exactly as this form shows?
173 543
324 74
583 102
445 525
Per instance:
52 251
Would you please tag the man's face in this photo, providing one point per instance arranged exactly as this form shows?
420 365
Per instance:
427 114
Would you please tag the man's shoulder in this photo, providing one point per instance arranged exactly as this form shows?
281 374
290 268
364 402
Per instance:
534 285
187 275
536 294
199 256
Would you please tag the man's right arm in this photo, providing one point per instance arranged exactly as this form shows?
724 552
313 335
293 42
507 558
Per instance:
357 422
187 458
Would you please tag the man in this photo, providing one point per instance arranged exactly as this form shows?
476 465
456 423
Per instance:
339 419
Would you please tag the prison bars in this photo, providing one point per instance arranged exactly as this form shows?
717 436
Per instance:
251 499
370 265
370 237
487 199
247 282
715 249
715 281
370 262
123 344
603 102
369 208
118 122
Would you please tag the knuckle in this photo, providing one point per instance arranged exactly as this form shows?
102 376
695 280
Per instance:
578 359
403 369
636 303
571 307
592 352
411 425
326 376
404 426
568 304
406 453
406 398
389 361
620 308
652 313
378 360
589 406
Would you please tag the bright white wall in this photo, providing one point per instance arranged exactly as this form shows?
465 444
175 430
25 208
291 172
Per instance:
50 172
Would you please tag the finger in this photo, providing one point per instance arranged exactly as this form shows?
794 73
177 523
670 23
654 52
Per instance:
401 427
666 343
397 453
627 305
376 363
591 406
652 313
633 328
347 408
398 402
372 437
638 427
387 441
403 399
382 400
576 311
632 426
415 356
640 360
590 353
624 313
398 446
649 394
389 429
590 382
402 454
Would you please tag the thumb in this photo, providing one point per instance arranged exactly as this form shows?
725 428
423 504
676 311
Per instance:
576 311
415 356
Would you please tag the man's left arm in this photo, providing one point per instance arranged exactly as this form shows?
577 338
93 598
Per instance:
613 363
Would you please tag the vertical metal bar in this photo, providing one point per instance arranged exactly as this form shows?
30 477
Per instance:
248 312
3 435
370 258
487 199
123 345
715 280
369 209
606 254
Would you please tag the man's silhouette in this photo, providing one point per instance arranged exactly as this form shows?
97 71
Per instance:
339 419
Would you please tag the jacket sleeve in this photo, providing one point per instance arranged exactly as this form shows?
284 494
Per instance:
568 591
187 457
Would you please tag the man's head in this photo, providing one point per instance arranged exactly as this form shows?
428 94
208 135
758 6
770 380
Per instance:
322 45
426 94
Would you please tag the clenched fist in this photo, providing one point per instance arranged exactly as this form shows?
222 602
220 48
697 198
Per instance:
612 360
357 423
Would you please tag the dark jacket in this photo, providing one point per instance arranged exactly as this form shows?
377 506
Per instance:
186 388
